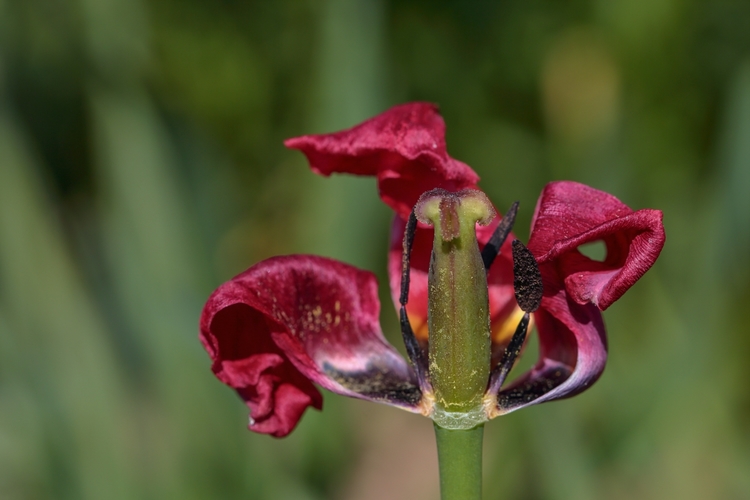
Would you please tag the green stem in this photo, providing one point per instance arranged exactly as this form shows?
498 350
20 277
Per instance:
460 459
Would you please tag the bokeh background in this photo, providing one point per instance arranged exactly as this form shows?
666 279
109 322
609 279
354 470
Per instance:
141 164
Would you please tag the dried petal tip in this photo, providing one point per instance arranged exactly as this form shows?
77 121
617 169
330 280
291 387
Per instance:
527 280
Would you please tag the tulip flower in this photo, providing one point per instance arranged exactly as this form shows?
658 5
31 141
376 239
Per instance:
467 293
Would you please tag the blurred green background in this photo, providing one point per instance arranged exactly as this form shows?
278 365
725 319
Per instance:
141 164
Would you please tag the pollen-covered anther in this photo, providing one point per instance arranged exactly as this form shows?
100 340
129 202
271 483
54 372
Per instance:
527 280
448 212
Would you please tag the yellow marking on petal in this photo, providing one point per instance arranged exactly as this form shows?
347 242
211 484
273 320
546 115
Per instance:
502 332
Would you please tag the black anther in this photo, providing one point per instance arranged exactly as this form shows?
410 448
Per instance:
492 248
527 280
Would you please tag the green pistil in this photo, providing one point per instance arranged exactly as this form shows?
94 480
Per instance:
459 322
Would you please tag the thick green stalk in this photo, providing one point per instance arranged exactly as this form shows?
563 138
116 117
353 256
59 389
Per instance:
460 459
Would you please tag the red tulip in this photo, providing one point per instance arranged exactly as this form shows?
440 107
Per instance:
288 323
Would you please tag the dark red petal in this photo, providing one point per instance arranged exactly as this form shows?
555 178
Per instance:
403 147
500 278
571 331
290 321
568 215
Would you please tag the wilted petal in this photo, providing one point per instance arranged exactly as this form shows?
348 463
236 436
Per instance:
573 346
568 215
291 320
403 147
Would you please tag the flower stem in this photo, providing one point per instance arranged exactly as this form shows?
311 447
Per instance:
460 461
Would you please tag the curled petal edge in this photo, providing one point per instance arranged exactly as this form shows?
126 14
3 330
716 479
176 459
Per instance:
569 215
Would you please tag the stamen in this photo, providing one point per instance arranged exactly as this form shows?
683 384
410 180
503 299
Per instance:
411 227
492 248
547 378
413 349
503 368
527 283
527 280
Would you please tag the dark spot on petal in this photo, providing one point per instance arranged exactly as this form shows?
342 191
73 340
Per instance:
532 389
377 385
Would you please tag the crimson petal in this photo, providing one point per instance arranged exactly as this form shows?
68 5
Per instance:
570 214
573 345
290 321
403 147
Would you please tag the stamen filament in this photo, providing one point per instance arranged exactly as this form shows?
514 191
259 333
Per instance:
413 349
527 284
492 248
503 368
